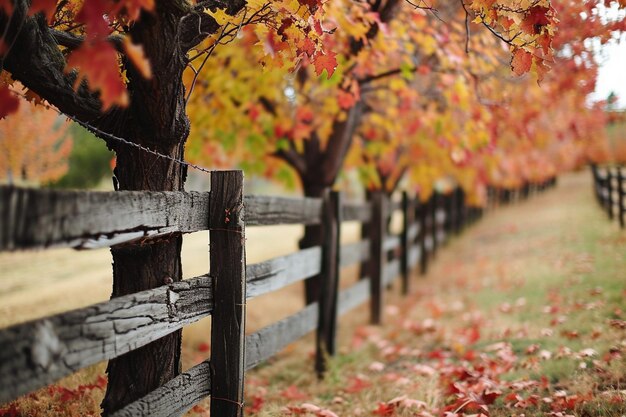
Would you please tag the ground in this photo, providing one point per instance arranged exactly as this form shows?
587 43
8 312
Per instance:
520 315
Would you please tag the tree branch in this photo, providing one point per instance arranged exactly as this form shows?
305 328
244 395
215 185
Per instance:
294 159
71 41
340 141
36 61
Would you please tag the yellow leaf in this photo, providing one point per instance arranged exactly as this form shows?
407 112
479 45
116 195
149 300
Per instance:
220 16
137 56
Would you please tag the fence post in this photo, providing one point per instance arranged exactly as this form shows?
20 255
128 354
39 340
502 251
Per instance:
433 222
596 184
228 273
378 226
460 210
609 193
422 213
327 324
621 191
408 219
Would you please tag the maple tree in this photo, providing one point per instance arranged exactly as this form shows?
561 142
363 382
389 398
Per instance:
34 146
308 117
116 67
129 70
499 130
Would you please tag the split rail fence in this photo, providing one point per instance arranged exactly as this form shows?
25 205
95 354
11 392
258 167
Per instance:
610 190
39 352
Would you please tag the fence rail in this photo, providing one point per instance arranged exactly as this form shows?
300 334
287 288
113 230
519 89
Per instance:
39 352
610 191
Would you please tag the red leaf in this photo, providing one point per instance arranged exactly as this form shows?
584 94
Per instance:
521 61
10 411
357 384
257 404
385 409
535 20
98 64
133 7
8 102
326 62
346 99
293 393
308 47
46 6
92 15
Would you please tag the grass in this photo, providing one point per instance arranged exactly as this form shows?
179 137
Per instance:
545 279
520 305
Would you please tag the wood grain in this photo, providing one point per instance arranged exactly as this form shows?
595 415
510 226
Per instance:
228 272
35 218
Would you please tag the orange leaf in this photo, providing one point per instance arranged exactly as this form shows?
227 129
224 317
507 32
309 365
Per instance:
521 61
8 102
137 56
346 99
308 47
98 65
535 20
133 7
92 15
326 62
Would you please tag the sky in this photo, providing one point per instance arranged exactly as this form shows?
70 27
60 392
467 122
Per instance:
612 75
612 59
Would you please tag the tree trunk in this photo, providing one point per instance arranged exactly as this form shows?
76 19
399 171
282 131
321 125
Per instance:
156 119
312 237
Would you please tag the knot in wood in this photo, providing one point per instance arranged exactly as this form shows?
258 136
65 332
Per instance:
48 346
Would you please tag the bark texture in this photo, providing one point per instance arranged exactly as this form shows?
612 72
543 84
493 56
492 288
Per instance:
155 119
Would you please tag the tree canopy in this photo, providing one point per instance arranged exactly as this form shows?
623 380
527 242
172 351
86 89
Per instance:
392 88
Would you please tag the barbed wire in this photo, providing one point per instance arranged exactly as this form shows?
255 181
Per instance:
118 139
127 142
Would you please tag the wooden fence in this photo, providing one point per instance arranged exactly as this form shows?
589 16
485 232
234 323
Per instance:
39 352
610 189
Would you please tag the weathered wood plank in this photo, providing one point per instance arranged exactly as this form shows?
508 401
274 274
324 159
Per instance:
391 272
377 259
34 218
621 190
271 275
268 341
175 397
435 199
361 212
408 220
414 255
228 271
354 296
413 231
391 242
354 252
266 210
394 205
39 352
609 193
325 342
422 216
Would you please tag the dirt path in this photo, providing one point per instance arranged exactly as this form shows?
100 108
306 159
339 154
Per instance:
521 315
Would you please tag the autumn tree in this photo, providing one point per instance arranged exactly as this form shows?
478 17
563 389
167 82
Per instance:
34 146
309 118
116 67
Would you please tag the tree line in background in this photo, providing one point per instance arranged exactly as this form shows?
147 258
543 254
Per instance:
478 91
